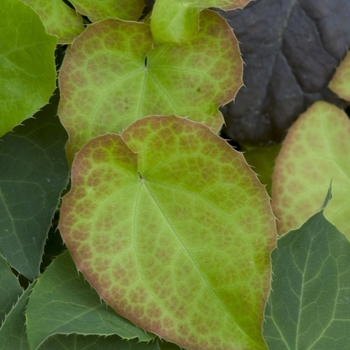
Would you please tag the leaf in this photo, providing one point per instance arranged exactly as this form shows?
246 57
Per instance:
178 21
58 18
129 10
290 49
10 289
78 342
315 152
309 307
63 303
158 221
27 65
34 172
340 83
262 160
107 82
13 330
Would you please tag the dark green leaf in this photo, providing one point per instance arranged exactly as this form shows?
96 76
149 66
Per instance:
13 331
93 342
309 306
63 303
33 173
10 289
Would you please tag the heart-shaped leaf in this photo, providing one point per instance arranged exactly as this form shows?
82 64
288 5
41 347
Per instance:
113 76
58 18
315 152
309 306
129 10
340 82
27 64
174 231
178 21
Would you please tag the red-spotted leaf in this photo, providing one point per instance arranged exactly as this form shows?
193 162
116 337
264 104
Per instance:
178 21
340 82
114 75
58 18
174 231
129 10
315 153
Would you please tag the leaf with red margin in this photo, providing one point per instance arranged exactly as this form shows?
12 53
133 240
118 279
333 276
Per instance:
106 84
340 83
174 231
128 10
58 18
178 21
315 152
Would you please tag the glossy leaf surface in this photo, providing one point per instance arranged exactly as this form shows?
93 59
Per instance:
309 307
63 303
58 18
114 75
34 172
129 10
27 65
159 222
316 151
340 82
178 21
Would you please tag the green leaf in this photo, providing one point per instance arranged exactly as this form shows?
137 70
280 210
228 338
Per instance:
13 331
10 289
58 18
159 222
113 75
27 64
340 83
78 342
262 160
178 21
129 10
309 306
315 152
34 172
63 303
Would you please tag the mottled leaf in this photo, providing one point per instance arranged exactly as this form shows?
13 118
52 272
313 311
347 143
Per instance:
129 10
178 21
340 82
291 49
27 65
13 330
58 18
309 305
114 75
315 152
33 173
63 303
159 222
79 342
10 289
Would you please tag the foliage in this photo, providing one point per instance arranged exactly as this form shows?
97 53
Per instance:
163 236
